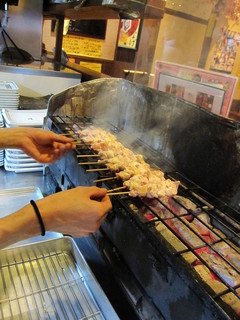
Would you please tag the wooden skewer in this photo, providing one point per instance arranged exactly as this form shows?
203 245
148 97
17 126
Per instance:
66 134
95 170
87 155
89 162
118 193
80 144
115 189
105 179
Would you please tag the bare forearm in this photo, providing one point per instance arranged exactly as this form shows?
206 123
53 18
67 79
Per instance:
79 212
18 226
11 137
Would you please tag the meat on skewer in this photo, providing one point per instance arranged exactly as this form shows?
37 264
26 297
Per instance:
137 175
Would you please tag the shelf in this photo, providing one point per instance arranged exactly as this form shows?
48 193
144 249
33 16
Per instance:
73 10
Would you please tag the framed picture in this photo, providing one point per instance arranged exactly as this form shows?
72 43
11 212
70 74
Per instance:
129 33
208 78
225 51
208 97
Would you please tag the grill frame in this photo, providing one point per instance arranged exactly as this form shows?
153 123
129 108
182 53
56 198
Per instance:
163 260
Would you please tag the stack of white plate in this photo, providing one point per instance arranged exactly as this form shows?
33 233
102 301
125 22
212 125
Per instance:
1 151
9 96
16 160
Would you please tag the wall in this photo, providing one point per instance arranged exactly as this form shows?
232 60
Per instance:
179 41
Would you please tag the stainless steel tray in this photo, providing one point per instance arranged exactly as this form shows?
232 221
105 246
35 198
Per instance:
50 280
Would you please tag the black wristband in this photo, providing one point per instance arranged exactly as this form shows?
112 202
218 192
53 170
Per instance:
39 216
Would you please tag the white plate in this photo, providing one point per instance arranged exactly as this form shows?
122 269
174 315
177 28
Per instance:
9 86
15 165
7 94
19 170
9 98
19 160
9 106
15 155
9 103
12 108
31 118
15 151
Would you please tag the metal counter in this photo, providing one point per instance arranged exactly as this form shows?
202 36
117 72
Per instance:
9 180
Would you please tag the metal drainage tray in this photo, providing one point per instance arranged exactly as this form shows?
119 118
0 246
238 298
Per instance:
50 280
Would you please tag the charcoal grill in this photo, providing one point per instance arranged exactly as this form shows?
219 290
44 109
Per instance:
166 274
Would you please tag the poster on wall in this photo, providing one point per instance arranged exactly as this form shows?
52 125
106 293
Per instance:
225 51
208 97
82 46
129 33
201 77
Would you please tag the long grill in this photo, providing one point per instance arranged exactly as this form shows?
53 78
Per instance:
173 252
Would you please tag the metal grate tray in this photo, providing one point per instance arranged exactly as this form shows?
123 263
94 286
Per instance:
50 280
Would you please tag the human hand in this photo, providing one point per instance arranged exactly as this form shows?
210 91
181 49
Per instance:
79 211
42 145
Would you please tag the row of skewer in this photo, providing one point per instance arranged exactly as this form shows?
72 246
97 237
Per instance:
139 179
79 143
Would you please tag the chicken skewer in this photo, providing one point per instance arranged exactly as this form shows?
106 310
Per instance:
136 174
105 179
118 193
87 155
116 189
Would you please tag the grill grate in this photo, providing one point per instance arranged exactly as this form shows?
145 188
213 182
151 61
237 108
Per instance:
223 231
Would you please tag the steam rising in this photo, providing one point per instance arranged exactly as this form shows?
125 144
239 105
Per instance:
166 130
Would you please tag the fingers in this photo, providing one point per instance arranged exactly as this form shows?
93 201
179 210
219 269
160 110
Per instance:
106 203
96 193
100 195
61 150
59 138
